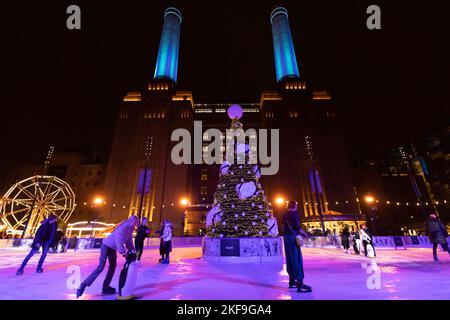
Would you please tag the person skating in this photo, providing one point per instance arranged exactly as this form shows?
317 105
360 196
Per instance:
166 241
161 243
141 233
367 240
294 259
43 238
437 233
357 243
345 235
121 241
58 237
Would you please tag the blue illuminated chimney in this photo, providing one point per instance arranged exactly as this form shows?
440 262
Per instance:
167 62
283 47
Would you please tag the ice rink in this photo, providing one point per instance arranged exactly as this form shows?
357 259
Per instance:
394 274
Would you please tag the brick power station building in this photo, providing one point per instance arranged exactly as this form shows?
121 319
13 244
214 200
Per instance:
141 178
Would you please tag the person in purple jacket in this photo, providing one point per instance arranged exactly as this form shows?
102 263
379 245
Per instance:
121 241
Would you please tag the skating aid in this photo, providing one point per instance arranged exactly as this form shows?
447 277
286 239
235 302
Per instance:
128 277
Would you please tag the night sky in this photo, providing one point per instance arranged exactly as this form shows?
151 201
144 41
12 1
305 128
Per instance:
63 87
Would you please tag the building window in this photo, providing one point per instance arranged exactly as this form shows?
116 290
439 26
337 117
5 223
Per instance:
309 148
204 190
204 175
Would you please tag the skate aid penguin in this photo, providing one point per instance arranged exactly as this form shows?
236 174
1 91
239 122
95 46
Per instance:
128 277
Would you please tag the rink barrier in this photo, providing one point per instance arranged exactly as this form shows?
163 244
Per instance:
388 242
242 250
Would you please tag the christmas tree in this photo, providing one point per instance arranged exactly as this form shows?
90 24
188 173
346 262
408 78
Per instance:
240 207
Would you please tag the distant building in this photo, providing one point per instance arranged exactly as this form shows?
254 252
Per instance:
314 169
408 183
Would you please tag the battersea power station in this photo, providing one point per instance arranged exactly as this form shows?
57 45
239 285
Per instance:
313 169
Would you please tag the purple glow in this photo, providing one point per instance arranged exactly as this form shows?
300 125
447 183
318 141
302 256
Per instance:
147 181
318 183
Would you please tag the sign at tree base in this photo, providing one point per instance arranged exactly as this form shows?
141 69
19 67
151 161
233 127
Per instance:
242 249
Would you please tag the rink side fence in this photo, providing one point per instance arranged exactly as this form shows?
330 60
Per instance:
387 242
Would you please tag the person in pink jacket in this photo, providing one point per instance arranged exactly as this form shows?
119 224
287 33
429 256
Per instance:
121 241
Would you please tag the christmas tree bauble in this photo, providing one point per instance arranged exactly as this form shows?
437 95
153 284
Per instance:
246 190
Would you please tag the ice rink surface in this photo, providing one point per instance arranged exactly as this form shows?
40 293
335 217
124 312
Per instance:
333 275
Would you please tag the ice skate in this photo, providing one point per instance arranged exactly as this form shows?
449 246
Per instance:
19 272
130 297
108 290
303 288
80 291
39 270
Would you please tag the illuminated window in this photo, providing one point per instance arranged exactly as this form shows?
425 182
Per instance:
204 191
204 176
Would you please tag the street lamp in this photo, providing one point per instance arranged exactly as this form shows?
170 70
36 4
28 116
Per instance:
184 201
369 199
98 201
280 200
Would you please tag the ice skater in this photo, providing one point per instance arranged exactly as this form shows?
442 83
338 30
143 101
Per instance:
367 240
437 233
43 238
356 243
345 236
294 259
166 241
121 241
141 233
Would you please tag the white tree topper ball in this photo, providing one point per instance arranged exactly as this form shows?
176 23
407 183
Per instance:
235 112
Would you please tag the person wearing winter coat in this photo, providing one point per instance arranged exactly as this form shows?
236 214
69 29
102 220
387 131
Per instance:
345 236
58 237
43 238
166 241
294 259
119 241
437 233
141 233
356 242
367 240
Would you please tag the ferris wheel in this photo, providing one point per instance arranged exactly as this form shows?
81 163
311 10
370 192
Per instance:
32 200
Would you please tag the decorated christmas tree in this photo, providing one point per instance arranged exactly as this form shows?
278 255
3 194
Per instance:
240 207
